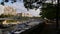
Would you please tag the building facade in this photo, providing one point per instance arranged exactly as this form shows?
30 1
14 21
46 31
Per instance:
9 10
1 9
24 14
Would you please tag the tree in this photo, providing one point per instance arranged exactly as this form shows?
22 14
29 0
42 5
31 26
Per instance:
29 4
48 10
6 0
6 16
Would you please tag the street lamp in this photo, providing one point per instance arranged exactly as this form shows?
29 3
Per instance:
57 15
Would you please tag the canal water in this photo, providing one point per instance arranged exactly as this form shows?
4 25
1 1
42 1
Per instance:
7 30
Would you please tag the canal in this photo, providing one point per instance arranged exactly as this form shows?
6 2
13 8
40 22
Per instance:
31 27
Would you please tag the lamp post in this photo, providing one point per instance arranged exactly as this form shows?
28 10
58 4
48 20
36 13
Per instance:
57 15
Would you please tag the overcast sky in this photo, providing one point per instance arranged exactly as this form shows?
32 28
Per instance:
20 8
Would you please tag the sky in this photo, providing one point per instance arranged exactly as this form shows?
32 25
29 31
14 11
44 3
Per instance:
19 6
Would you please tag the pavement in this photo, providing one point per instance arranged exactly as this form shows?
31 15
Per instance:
0 31
50 28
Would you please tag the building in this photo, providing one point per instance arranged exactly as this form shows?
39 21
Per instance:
1 9
19 14
9 10
24 14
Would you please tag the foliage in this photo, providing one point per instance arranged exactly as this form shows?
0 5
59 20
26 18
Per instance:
49 11
1 22
29 4
10 21
24 18
5 16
